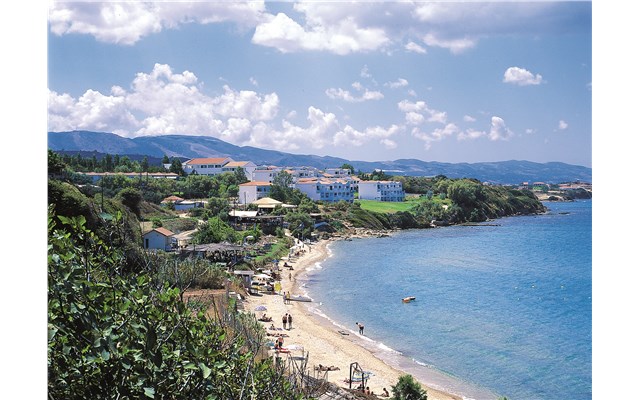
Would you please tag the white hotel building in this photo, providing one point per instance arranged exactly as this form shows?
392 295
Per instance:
324 189
252 191
381 190
216 166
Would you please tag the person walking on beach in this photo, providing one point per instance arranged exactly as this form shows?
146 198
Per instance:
288 298
360 328
290 320
284 321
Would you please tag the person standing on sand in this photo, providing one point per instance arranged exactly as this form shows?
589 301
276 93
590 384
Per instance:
288 298
290 320
284 321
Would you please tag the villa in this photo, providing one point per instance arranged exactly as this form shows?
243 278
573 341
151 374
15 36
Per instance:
381 190
325 189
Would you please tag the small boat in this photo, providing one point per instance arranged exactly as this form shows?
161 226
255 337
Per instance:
408 299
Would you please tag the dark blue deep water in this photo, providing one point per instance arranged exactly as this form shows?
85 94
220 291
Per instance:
500 310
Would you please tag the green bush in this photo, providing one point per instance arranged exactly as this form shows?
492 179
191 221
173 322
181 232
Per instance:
115 335
408 389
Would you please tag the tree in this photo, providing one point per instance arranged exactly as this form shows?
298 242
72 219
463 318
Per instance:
349 167
117 335
165 159
107 163
300 224
280 189
131 198
145 164
240 176
176 167
215 231
408 389
55 164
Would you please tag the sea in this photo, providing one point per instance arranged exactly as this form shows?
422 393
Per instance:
502 308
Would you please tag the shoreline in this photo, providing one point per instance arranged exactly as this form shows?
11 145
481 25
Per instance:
318 336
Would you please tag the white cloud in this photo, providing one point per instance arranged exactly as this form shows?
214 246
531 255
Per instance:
253 81
499 130
389 144
127 22
436 135
397 84
414 110
471 134
340 28
521 77
456 46
414 118
415 48
343 37
162 102
364 72
562 125
345 95
468 118
91 111
352 137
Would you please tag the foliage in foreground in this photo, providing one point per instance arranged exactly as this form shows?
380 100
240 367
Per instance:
113 335
408 389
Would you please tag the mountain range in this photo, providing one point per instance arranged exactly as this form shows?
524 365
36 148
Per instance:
187 147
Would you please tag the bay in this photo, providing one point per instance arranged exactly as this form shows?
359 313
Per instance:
501 309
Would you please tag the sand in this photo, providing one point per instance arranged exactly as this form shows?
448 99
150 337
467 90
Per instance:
321 339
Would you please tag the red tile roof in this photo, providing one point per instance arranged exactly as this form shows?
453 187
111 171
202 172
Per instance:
256 183
200 161
162 231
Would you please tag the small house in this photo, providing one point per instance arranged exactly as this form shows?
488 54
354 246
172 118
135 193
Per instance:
159 238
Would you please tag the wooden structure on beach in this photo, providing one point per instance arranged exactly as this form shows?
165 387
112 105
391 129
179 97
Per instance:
217 252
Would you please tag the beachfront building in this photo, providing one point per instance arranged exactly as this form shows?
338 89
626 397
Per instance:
252 191
265 173
381 190
302 172
325 189
247 167
205 166
337 173
159 238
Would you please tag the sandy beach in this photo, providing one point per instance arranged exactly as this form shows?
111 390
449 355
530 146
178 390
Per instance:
321 339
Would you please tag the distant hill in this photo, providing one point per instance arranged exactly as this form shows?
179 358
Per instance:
183 146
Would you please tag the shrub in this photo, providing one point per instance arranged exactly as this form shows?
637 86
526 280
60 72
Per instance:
408 389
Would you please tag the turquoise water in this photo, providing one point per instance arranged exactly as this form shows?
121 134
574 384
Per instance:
500 310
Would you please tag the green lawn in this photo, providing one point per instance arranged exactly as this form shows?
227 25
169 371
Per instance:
387 206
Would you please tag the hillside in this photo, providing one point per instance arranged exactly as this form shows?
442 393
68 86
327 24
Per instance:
184 146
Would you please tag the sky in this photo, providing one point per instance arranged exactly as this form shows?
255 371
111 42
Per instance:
368 81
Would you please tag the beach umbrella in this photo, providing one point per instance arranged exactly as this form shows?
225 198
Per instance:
261 308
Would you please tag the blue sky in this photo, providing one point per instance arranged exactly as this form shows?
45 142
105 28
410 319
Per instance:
449 82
